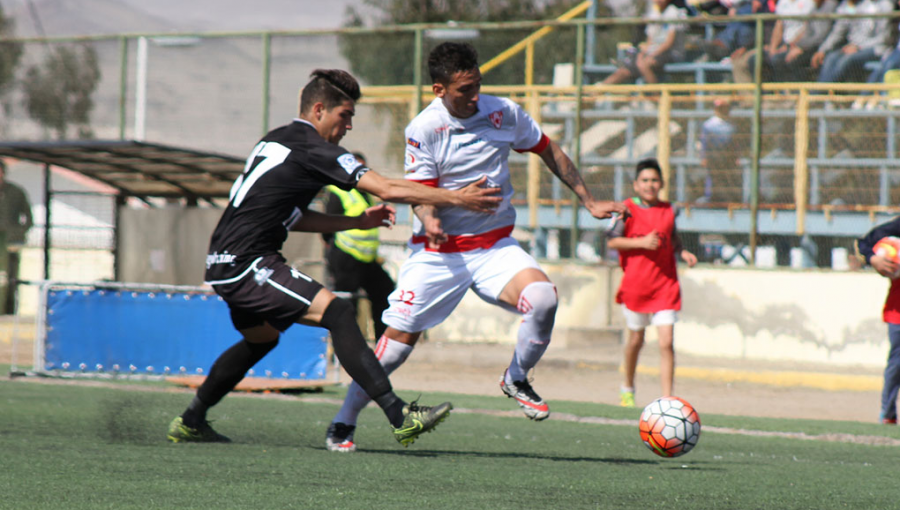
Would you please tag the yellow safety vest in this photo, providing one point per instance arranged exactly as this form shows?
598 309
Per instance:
361 244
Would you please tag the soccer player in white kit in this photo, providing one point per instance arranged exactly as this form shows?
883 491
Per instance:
461 136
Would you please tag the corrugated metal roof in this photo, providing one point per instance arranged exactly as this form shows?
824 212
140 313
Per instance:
137 169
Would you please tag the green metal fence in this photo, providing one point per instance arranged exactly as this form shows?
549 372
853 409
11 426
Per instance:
805 161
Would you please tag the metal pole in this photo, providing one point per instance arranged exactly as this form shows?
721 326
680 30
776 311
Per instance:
417 74
117 224
266 79
123 84
47 220
140 94
576 139
756 141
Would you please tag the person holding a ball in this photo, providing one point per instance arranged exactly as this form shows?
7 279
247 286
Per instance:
879 248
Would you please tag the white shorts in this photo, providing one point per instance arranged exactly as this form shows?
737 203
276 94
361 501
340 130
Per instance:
636 321
432 284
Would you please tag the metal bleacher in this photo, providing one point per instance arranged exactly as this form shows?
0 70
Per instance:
826 216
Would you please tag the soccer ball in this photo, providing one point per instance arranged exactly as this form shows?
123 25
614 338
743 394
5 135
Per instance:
670 427
888 247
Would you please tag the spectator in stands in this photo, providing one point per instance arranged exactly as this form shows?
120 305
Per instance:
738 36
717 154
15 220
784 37
665 43
798 56
853 41
792 43
889 62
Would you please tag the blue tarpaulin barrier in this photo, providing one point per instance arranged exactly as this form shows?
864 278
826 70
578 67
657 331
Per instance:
162 333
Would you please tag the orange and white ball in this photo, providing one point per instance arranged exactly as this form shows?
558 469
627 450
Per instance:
889 248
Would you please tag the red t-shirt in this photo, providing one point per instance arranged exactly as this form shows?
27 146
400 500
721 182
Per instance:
891 313
650 283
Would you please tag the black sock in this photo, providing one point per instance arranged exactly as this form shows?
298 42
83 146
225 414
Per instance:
228 370
195 413
356 357
392 405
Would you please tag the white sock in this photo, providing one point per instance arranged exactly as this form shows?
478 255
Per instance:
537 303
391 354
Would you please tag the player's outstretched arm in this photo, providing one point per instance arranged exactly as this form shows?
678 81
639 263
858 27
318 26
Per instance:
563 167
381 215
473 197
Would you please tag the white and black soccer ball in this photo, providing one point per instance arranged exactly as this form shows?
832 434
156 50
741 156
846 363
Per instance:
670 426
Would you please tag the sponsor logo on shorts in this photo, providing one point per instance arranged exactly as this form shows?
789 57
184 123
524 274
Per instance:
215 258
262 275
349 162
415 143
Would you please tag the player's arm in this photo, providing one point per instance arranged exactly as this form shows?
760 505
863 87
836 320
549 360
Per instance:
563 167
473 197
381 215
865 247
689 258
431 223
616 239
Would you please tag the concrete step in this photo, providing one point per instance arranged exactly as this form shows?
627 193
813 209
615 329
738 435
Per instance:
577 338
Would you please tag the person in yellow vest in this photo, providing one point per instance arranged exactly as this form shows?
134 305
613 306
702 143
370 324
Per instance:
351 256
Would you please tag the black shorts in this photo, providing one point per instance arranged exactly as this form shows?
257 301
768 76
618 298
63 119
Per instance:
268 290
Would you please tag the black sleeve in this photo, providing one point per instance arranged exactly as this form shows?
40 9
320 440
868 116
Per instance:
335 165
865 244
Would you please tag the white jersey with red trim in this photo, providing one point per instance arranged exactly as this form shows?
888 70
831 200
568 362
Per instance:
448 152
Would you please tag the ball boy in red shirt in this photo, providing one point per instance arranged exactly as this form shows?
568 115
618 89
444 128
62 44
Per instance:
648 242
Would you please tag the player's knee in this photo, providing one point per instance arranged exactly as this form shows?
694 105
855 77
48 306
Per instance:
339 312
540 301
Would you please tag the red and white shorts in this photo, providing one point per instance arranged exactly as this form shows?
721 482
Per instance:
431 284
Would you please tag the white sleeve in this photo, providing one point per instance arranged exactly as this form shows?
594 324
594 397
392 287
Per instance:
528 133
419 163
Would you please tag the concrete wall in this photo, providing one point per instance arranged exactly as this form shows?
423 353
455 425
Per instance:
786 315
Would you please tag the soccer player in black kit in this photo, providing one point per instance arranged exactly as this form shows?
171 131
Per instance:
265 295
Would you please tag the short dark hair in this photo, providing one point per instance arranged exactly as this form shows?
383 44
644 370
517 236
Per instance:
359 156
450 58
330 87
648 163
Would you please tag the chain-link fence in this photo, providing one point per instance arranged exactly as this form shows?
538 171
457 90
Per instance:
804 156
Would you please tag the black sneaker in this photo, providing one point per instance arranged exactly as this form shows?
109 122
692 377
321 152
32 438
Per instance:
531 403
179 432
420 419
339 438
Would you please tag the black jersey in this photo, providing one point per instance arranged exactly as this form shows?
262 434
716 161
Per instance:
283 174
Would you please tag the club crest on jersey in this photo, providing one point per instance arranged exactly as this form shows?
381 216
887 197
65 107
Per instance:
415 143
349 162
496 118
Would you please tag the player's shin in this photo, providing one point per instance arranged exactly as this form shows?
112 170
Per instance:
391 354
227 371
538 303
358 359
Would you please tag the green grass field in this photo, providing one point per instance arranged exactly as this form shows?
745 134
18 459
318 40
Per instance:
81 446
